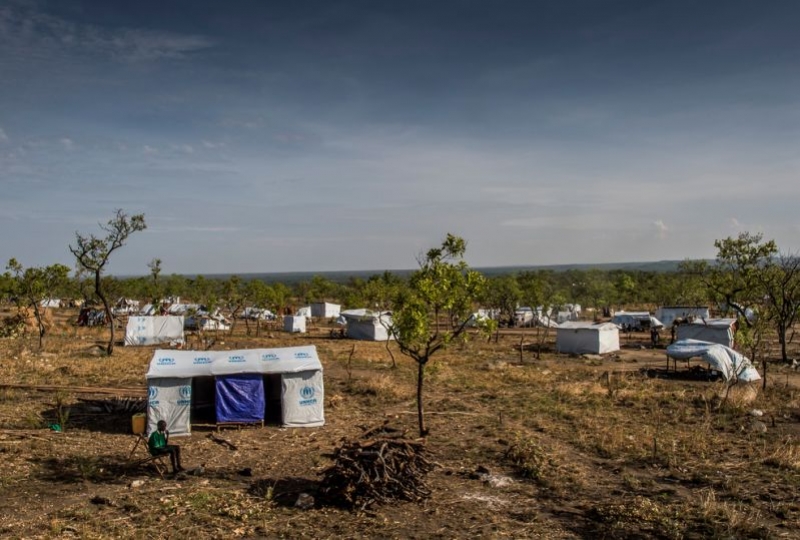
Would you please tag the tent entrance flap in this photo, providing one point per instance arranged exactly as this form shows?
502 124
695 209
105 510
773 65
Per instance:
273 412
240 398
204 396
169 399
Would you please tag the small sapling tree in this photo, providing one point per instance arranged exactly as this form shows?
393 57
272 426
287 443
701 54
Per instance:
34 285
92 254
435 308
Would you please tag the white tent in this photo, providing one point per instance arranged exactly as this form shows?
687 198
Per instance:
668 314
368 325
304 311
731 364
153 330
180 382
587 338
636 320
294 324
50 303
722 331
325 310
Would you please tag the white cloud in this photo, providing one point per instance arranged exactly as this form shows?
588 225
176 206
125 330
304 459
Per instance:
67 143
735 224
147 149
3 136
213 145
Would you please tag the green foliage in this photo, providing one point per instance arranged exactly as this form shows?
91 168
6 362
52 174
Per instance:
32 285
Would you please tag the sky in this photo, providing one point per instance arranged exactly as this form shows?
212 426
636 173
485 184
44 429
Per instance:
354 135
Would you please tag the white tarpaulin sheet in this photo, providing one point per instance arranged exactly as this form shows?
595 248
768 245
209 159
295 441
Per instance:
169 363
170 399
294 324
153 330
731 364
587 338
302 399
720 331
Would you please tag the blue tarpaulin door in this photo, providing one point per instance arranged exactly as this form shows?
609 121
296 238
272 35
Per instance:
240 398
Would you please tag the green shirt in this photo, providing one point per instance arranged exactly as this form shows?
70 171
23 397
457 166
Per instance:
157 440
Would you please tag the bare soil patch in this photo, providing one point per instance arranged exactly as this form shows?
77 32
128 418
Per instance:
560 447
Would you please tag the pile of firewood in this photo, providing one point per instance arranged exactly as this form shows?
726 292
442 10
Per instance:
380 466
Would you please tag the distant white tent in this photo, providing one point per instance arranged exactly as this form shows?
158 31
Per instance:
294 324
236 386
254 313
50 303
722 331
636 320
368 325
304 311
668 314
731 364
587 338
207 322
154 330
325 310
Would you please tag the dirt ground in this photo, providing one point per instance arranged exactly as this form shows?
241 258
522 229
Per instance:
557 447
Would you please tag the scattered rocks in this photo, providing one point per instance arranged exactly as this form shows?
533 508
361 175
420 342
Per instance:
757 412
135 484
758 426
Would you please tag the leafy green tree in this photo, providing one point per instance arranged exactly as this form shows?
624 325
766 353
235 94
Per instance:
543 294
503 293
33 285
93 252
435 308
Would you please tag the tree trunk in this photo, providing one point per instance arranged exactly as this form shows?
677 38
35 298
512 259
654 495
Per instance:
764 369
40 323
391 354
420 414
782 341
110 316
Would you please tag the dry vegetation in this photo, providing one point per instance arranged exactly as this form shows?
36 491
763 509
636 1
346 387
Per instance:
553 448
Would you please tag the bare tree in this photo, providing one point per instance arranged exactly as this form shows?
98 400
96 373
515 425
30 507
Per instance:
92 254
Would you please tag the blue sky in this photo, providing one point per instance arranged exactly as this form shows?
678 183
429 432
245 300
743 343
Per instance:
304 136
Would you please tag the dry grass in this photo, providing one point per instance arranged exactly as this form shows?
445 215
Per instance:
596 449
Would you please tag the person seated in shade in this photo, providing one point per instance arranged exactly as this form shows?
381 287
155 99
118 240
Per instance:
158 444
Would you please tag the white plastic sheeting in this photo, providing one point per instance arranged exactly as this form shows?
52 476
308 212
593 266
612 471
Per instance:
668 314
294 324
325 310
637 320
154 330
587 338
720 331
731 364
368 325
171 372
302 398
170 399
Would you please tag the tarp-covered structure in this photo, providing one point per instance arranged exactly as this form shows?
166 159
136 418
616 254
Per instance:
154 330
636 320
587 338
368 325
294 324
241 386
722 331
731 364
325 310
668 314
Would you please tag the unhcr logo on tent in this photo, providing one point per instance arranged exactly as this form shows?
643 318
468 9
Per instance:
269 357
302 355
186 395
307 395
201 360
166 361
236 359
152 394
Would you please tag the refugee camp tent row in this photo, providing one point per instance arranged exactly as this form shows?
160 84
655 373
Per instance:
731 364
155 330
722 331
304 311
587 338
367 325
325 310
294 324
241 386
668 314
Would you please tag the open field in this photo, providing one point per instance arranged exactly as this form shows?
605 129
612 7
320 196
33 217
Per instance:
574 448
